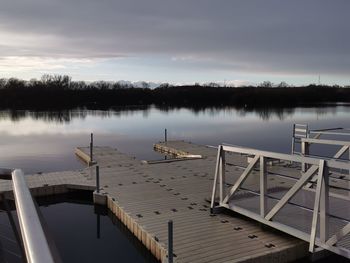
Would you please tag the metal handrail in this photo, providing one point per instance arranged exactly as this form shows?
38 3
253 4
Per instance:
330 131
340 164
306 142
328 237
327 129
327 142
35 243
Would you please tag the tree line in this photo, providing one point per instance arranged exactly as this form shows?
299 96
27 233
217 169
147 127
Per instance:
60 92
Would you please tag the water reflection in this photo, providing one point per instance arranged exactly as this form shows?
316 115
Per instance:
45 141
66 116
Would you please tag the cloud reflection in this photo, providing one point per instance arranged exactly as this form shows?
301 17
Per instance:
45 141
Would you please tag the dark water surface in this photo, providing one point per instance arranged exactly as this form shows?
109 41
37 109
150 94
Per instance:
81 232
45 141
84 233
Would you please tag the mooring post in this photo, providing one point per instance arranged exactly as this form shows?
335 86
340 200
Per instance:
165 135
170 241
91 147
97 179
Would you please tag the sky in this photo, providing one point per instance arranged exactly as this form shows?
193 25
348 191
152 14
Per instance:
184 41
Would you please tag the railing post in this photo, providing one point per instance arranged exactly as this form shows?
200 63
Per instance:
97 179
165 135
91 147
223 172
263 185
222 167
349 157
304 152
317 206
293 139
212 204
170 241
324 205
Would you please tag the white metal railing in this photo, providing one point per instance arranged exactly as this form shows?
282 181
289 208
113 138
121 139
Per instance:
307 142
34 240
305 137
320 209
339 131
302 131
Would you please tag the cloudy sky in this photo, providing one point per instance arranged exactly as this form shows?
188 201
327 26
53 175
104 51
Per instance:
177 41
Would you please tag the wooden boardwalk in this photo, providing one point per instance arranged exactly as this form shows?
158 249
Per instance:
144 196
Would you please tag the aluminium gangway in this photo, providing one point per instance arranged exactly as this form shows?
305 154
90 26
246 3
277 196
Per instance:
314 205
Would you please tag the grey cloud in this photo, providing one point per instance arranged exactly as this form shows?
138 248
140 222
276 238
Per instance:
270 35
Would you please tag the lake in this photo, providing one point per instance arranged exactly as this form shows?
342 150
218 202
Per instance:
45 141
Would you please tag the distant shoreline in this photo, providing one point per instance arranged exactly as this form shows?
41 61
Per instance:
59 92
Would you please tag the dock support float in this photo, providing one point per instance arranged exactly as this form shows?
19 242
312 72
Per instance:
99 198
148 239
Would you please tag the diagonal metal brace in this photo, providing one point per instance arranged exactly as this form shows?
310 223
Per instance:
316 206
296 187
241 179
339 235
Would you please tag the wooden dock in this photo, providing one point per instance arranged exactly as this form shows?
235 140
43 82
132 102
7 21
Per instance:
145 195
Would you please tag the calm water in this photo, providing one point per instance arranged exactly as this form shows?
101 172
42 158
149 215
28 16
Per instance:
41 141
81 233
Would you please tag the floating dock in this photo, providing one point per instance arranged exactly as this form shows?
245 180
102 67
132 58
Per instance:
145 195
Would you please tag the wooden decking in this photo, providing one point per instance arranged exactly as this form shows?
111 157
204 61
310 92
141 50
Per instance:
144 196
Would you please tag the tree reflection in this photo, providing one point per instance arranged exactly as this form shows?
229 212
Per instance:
66 116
